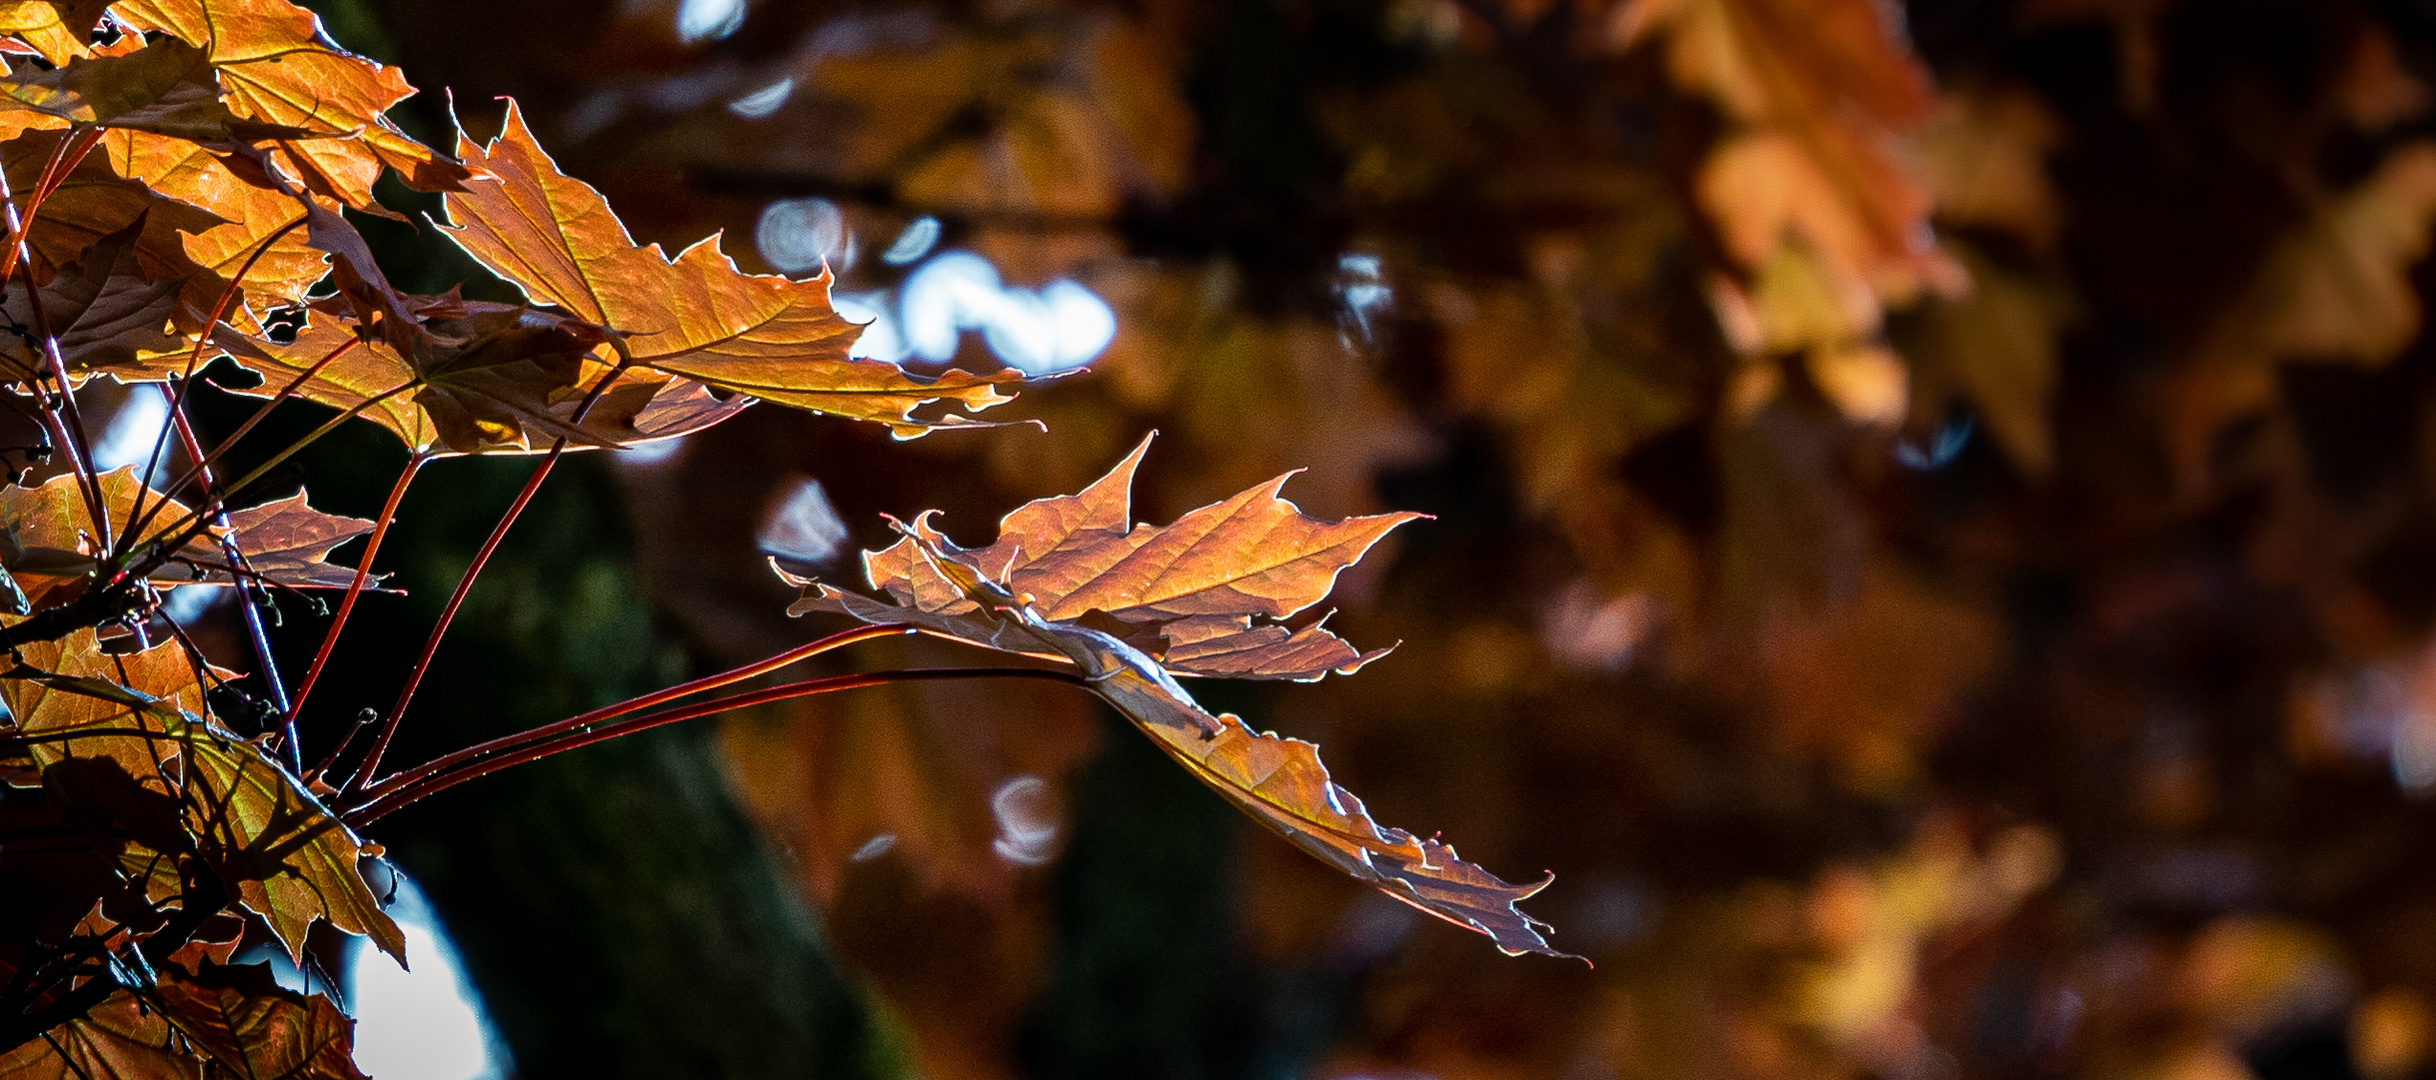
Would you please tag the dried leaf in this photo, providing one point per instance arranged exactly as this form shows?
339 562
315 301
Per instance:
276 68
696 316
1201 594
1278 781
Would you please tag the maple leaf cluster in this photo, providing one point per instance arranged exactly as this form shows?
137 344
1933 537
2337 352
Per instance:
184 182
1937 492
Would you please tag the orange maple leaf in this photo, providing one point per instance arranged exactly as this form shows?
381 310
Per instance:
695 316
276 68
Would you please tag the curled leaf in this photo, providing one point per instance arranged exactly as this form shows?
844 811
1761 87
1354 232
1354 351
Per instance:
1200 567
1203 595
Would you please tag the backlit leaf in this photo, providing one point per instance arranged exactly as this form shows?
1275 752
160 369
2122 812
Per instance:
104 310
1001 596
1202 594
189 173
482 378
283 541
93 201
289 859
276 68
118 1040
166 88
57 28
255 1029
695 316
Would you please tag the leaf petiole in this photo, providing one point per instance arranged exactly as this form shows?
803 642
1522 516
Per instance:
648 701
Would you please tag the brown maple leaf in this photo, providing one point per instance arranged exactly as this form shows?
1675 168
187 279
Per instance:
1253 553
695 316
283 541
2336 288
58 29
1821 218
48 538
92 201
192 174
255 1028
276 68
104 310
1201 595
119 1039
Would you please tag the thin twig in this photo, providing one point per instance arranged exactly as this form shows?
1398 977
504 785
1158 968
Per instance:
633 705
465 583
355 588
373 810
194 361
448 614
250 593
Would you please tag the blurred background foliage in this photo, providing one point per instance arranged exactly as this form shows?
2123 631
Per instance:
1935 508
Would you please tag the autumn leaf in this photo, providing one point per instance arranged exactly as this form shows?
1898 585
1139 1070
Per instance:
56 28
191 174
2336 288
1821 217
1996 349
696 316
258 1030
480 378
1081 115
94 201
104 311
276 68
47 538
289 859
166 88
283 541
1199 567
118 1039
1984 157
1202 595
